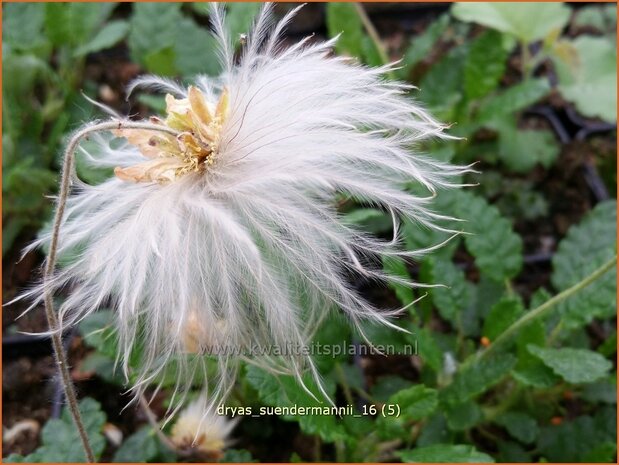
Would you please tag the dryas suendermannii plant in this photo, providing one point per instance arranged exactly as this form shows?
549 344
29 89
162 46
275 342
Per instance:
219 231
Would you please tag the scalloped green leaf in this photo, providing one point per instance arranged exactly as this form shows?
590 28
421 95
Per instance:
415 403
421 45
112 33
61 441
522 149
395 266
575 366
519 425
485 65
285 391
575 440
441 87
475 378
515 98
526 21
502 315
154 30
140 447
195 50
444 453
22 25
453 299
586 247
492 241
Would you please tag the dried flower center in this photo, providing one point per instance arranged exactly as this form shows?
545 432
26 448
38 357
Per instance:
199 125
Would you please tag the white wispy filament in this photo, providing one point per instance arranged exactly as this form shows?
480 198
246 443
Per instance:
228 234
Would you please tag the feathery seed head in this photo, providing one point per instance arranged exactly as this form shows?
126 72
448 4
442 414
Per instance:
227 233
207 435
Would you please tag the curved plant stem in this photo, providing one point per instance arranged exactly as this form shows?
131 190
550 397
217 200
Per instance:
52 321
372 32
345 387
548 305
152 420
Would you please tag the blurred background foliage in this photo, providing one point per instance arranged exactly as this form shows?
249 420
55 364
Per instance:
530 89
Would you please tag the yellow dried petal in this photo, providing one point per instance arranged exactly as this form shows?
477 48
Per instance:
160 170
150 144
222 106
178 111
199 106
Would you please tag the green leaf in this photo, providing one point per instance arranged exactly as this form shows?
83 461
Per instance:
512 452
429 350
162 62
485 65
502 315
195 50
333 334
588 76
153 29
417 236
515 98
72 23
103 366
496 247
442 453
380 335
572 441
522 149
237 456
475 378
369 219
285 391
435 431
573 365
61 441
415 403
239 17
343 18
141 446
22 25
609 346
14 458
605 452
452 300
601 17
98 331
530 370
387 386
395 266
111 34
519 425
441 87
578 256
526 21
463 416
604 391
421 45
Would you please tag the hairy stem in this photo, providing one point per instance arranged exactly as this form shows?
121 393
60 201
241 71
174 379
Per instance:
52 321
547 306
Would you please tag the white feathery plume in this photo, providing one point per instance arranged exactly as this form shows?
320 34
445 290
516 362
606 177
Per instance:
206 435
227 235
